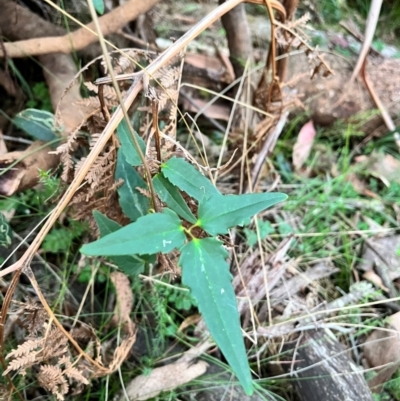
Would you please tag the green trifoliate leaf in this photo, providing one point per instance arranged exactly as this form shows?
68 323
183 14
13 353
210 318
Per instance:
206 272
219 213
99 6
37 123
187 178
131 265
132 202
153 233
170 194
128 145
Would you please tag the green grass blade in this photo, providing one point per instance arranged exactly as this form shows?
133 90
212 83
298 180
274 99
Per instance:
187 178
219 213
206 272
150 234
132 202
170 194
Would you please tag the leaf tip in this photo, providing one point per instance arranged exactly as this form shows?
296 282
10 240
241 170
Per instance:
84 250
249 389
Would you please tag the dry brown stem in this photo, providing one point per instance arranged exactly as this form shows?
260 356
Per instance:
77 40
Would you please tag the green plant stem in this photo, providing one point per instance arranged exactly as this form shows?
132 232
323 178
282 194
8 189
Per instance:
189 231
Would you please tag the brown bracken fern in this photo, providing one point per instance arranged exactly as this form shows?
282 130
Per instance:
99 191
46 351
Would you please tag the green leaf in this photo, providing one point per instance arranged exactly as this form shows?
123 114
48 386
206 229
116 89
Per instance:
170 194
5 232
188 179
132 202
131 265
128 146
106 225
37 123
206 272
99 6
157 232
219 213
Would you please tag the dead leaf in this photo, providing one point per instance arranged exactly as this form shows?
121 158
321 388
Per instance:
189 321
124 299
303 145
382 351
372 277
121 317
387 169
166 378
385 248
204 62
206 66
383 166
360 187
25 173
301 280
215 111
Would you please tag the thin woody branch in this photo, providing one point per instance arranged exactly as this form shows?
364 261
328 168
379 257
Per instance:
85 36
79 39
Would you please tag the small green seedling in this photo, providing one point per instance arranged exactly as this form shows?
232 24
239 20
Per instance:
203 260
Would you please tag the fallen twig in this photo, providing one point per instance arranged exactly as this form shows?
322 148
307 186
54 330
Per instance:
82 37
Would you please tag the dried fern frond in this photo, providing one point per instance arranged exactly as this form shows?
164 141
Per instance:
22 363
50 353
32 316
52 379
108 91
132 61
300 22
24 349
100 191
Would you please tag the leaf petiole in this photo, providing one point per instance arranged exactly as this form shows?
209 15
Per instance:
188 231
